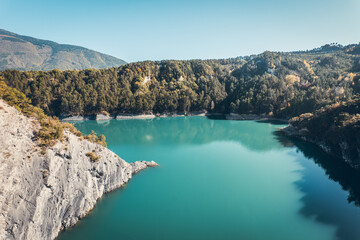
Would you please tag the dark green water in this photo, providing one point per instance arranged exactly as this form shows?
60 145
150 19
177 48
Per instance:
221 180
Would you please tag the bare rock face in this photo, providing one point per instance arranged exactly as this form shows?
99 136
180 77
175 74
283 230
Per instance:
102 117
43 193
73 118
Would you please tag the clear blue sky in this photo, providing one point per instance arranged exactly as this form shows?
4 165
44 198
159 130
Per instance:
136 30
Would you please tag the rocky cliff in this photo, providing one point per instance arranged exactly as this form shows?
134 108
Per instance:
45 191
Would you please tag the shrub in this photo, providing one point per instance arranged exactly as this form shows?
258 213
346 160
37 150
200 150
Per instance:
93 156
92 137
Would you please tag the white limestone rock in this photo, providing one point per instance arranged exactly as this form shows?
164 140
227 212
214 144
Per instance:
41 194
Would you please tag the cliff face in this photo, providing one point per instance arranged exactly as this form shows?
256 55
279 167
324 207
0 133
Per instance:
42 193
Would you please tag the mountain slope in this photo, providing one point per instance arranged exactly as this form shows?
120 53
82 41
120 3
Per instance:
27 53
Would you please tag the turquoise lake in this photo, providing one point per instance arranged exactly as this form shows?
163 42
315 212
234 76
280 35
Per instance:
221 179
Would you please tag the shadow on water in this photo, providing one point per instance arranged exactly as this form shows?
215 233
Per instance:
273 121
216 116
322 199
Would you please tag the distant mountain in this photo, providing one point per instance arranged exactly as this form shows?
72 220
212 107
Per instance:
27 53
333 48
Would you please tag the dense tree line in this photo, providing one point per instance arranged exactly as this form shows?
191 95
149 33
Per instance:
279 84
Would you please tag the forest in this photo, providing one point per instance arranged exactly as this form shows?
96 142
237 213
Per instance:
277 84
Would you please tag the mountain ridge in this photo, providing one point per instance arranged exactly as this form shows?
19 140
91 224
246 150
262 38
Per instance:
28 53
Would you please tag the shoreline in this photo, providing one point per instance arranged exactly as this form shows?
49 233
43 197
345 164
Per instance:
231 116
102 117
259 117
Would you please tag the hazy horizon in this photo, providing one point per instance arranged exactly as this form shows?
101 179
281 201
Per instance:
157 30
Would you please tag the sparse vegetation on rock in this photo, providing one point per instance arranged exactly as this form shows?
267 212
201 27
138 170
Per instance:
93 156
51 129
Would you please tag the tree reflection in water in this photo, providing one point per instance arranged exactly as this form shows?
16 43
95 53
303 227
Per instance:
321 198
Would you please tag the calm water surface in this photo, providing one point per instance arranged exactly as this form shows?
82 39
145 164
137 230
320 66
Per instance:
221 180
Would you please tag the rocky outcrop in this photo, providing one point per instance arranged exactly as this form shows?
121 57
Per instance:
103 117
73 118
135 116
43 192
138 166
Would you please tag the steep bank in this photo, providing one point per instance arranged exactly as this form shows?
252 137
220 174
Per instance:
45 192
335 128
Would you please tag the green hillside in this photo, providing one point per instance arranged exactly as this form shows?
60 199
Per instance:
274 83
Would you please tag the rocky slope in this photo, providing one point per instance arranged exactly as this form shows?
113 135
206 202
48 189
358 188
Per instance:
42 193
27 53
